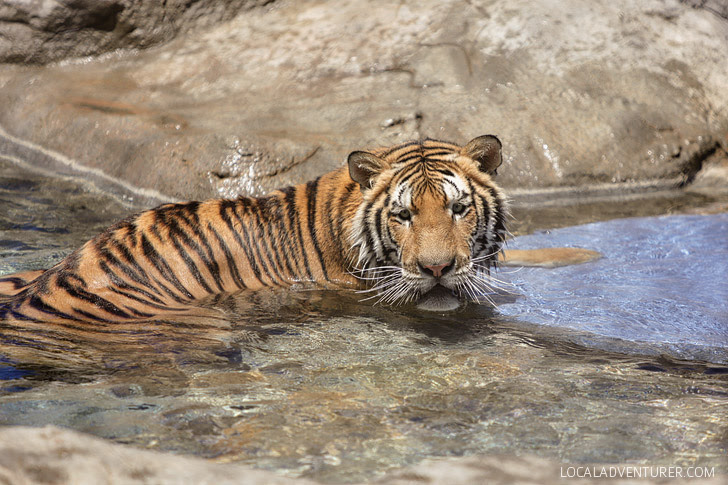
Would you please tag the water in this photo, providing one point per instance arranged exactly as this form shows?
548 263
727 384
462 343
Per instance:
318 384
42 219
661 286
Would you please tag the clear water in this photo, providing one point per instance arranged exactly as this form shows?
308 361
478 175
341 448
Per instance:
660 287
319 384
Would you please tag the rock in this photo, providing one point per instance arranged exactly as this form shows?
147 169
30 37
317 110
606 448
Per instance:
42 31
641 296
53 455
608 94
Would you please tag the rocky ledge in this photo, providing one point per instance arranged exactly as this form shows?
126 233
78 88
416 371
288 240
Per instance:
42 31
53 455
600 94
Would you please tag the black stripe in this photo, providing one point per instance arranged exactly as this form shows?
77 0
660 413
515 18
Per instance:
108 258
161 265
230 205
265 218
190 212
373 228
381 227
450 182
281 240
17 282
38 304
408 173
479 219
116 280
96 318
170 221
232 266
399 147
408 158
287 228
190 263
500 213
311 192
294 222
139 313
145 279
143 301
341 214
444 171
435 152
287 242
132 268
330 215
63 281
251 240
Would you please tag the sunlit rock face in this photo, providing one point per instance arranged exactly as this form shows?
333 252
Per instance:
599 94
42 31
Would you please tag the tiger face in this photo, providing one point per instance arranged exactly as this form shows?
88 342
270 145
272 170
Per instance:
431 214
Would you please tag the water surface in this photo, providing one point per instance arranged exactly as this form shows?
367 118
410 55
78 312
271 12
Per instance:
319 384
660 287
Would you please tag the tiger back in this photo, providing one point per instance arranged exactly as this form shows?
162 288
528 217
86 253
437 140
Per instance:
398 221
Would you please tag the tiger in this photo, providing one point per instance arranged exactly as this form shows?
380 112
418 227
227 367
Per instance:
395 221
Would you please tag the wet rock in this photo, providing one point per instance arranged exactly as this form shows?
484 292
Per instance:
41 31
53 455
606 94
640 297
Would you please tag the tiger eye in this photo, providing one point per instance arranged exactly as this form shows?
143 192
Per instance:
404 214
458 208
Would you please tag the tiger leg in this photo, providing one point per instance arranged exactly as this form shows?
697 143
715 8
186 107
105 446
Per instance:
547 257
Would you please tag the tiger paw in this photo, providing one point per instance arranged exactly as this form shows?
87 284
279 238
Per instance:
547 257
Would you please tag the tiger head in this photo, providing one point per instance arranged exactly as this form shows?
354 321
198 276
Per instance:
431 214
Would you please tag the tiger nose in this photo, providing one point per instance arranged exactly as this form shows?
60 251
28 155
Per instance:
437 270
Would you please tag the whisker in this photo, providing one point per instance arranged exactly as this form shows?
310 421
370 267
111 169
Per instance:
490 280
383 284
375 268
510 270
481 291
494 285
379 277
385 296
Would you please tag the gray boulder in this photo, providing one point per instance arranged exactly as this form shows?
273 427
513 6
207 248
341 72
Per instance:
608 94
41 31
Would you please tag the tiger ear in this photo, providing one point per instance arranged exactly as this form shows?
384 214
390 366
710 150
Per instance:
364 167
486 150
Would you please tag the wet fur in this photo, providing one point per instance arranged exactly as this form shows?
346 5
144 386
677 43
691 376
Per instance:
341 230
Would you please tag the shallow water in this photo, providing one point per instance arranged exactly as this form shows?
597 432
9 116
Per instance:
42 219
660 287
319 384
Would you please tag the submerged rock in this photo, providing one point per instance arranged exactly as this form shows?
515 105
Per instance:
606 93
659 288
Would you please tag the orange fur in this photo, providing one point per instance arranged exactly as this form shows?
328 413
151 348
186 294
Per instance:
325 231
